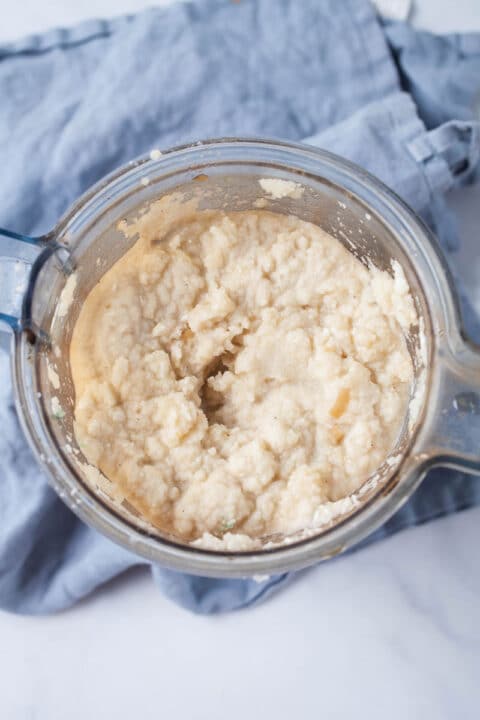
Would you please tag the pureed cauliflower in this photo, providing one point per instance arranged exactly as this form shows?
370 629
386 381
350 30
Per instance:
238 374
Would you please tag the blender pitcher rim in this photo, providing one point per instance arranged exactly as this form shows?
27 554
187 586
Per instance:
376 515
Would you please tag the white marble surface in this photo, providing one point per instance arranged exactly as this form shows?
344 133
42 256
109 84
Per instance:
391 632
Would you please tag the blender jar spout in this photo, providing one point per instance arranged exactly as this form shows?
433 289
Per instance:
21 260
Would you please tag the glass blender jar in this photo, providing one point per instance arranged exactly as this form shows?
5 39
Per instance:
43 282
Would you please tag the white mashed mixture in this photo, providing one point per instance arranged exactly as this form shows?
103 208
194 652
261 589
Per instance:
237 375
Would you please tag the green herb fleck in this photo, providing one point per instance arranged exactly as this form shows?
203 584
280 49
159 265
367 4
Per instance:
226 525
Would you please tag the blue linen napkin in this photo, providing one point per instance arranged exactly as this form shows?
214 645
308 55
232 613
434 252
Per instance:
77 103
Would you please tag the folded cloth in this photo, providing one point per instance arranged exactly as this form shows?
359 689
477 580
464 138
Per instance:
78 103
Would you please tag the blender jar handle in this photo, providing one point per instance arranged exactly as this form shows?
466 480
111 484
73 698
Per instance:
454 424
21 259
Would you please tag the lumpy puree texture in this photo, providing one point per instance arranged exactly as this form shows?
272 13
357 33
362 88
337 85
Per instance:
239 373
